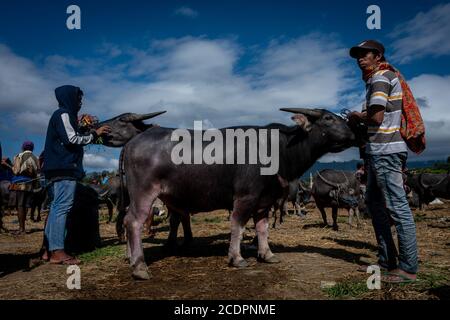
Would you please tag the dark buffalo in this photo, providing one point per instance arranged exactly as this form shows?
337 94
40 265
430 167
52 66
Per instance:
297 195
336 189
186 189
104 198
429 186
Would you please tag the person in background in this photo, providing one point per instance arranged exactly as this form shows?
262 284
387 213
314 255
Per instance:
361 176
25 169
63 167
105 178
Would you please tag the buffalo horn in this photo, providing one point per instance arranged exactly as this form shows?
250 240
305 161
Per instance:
140 117
314 113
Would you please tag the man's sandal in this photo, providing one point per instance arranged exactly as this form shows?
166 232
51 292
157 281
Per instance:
363 268
67 261
393 277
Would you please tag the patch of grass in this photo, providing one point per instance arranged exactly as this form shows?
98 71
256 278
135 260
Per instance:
347 289
207 219
342 219
432 280
97 254
213 219
103 217
419 217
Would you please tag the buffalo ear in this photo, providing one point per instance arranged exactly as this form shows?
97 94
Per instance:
302 121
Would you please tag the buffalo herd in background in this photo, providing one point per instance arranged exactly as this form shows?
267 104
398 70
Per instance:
334 189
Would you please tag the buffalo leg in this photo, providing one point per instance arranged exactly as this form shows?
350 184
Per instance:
186 222
275 209
296 207
119 225
358 221
174 222
334 214
262 230
110 206
39 208
350 216
134 221
283 210
239 218
324 215
32 210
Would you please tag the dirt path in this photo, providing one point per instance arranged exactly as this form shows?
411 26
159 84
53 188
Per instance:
310 255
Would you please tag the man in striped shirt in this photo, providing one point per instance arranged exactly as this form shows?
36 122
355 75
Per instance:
385 156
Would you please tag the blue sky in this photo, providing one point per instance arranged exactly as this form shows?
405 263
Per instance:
224 62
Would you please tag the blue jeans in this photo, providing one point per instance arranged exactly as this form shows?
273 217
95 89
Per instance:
386 198
62 194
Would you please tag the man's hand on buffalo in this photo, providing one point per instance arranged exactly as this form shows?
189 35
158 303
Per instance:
355 118
103 130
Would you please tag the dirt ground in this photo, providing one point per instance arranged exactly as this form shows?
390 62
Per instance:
312 257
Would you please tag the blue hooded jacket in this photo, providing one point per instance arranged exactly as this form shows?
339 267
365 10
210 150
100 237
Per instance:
63 153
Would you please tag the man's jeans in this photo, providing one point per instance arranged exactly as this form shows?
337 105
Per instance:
62 194
386 198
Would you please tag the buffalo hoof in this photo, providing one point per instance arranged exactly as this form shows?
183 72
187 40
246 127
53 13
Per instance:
335 228
271 259
239 263
140 272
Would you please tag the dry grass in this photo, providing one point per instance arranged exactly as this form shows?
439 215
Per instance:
310 254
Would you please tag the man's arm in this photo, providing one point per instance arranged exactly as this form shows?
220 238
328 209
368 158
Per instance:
373 117
68 134
376 107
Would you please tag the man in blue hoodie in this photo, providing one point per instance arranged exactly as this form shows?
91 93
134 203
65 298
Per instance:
63 166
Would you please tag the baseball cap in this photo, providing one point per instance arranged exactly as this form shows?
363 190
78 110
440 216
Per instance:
367 45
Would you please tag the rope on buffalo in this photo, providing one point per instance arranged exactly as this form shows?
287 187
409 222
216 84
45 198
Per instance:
340 187
436 184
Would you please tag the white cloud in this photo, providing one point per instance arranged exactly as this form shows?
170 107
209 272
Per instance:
424 35
22 84
432 91
186 12
95 161
34 122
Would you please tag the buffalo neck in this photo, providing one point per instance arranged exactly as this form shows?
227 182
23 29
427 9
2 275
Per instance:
302 155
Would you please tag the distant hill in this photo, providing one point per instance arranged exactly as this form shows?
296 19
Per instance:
351 166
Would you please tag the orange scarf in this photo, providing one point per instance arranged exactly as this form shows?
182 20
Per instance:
412 127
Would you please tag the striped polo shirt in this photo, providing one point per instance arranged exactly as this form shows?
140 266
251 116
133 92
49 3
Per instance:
384 89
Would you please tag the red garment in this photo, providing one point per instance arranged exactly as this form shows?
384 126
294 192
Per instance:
412 127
